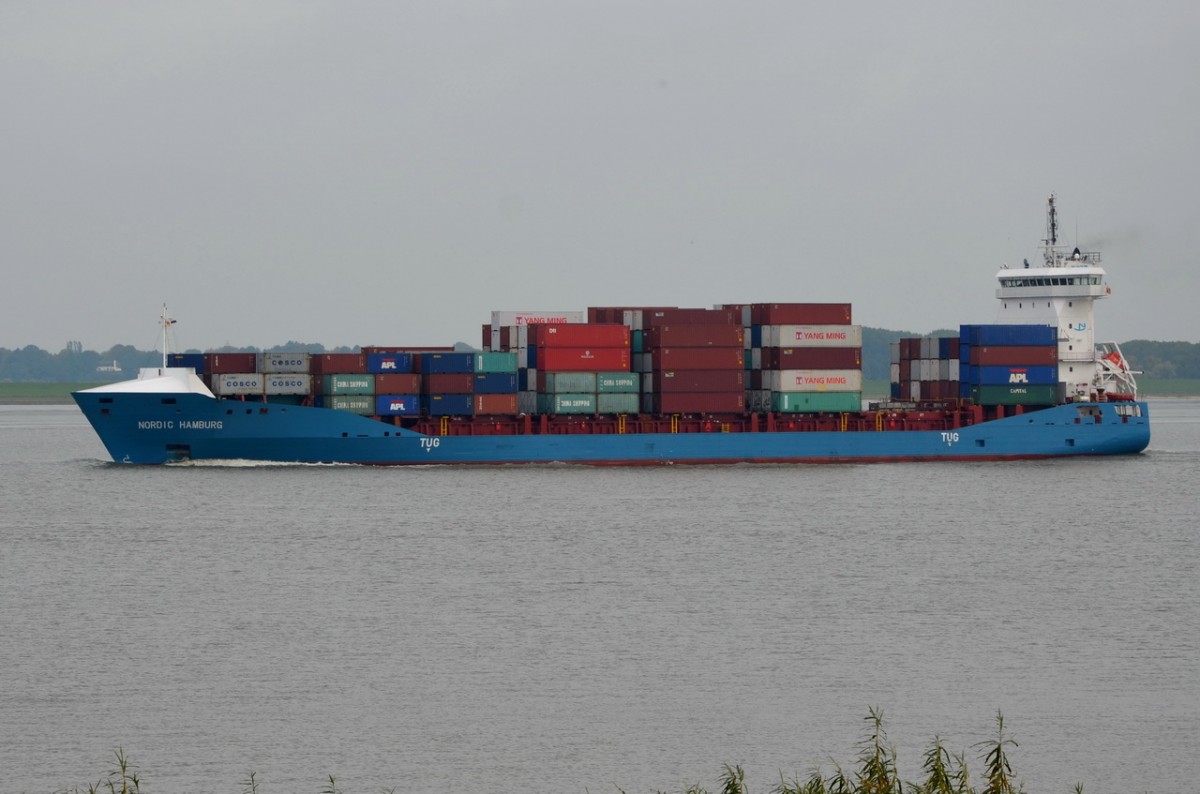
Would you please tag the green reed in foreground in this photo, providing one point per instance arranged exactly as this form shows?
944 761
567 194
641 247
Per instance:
874 772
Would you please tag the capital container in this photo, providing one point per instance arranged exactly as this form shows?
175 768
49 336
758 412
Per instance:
495 383
495 404
1011 376
618 382
580 359
287 383
817 380
448 383
816 402
283 362
448 404
329 363
230 363
346 383
700 380
232 384
444 363
566 403
496 363
397 383
390 362
618 402
567 382
397 405
1045 394
361 404
698 335
814 335
194 360
1021 355
697 358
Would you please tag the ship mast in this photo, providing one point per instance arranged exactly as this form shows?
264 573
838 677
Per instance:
1051 240
165 322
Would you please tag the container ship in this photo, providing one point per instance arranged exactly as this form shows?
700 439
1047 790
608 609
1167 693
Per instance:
638 385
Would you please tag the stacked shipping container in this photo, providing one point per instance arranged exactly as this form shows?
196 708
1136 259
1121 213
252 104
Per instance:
925 368
1010 364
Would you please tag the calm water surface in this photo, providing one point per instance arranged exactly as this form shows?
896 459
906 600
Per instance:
557 629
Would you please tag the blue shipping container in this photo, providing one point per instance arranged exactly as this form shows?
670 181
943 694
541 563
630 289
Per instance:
1002 335
389 362
397 405
1008 376
447 363
193 360
756 336
448 404
495 383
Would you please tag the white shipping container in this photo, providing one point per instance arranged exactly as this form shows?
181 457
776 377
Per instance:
816 336
527 402
500 319
817 380
927 370
894 349
915 391
756 358
288 384
236 384
633 319
954 370
943 366
894 373
929 347
283 362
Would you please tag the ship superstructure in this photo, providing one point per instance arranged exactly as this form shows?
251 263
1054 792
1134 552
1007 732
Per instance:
1062 293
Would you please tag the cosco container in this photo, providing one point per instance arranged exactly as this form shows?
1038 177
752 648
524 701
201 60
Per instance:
618 402
495 383
617 382
390 362
816 402
230 384
287 384
343 383
567 382
363 405
566 403
448 404
496 362
446 363
397 405
283 362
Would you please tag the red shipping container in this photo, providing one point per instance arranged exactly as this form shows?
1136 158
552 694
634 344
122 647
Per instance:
230 363
705 335
582 359
495 404
697 358
1014 356
699 403
338 363
486 337
579 335
397 383
812 358
698 380
369 349
653 317
905 370
448 383
800 313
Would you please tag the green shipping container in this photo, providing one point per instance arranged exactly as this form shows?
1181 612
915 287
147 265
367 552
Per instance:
816 402
635 342
566 403
349 384
364 406
496 362
1031 394
618 403
570 383
618 382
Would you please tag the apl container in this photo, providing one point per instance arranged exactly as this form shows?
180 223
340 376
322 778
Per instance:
397 405
232 384
1013 376
390 362
283 362
816 402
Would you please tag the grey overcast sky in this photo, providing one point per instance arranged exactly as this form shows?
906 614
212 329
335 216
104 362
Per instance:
391 172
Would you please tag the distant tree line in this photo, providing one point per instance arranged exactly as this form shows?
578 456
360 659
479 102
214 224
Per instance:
73 364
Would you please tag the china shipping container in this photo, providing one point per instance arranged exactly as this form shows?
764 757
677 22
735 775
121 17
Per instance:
617 382
347 383
397 383
812 336
390 362
700 380
363 405
496 363
618 403
706 335
800 313
566 403
816 402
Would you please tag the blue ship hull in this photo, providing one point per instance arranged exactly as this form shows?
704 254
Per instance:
157 428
